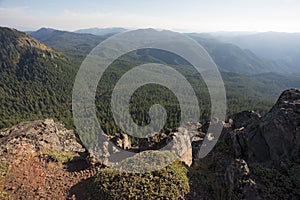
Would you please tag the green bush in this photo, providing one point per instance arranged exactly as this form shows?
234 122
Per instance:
170 182
277 185
294 173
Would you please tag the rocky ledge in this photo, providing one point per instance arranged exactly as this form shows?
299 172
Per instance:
36 136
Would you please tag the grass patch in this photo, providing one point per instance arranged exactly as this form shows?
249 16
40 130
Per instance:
61 156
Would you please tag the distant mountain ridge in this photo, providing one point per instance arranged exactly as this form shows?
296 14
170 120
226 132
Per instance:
282 48
232 58
101 31
228 57
238 52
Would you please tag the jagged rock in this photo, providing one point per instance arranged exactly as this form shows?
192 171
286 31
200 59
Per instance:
242 119
239 144
248 141
271 139
232 177
235 172
277 135
34 136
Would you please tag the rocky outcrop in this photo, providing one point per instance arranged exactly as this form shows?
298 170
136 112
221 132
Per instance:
228 171
276 138
248 141
28 41
271 139
232 178
35 136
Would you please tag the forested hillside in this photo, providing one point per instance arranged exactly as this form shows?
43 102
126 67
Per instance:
36 80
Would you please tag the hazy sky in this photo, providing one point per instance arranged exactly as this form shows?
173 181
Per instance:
185 15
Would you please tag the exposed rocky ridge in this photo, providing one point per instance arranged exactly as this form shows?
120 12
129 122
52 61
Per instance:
273 139
254 151
31 42
278 132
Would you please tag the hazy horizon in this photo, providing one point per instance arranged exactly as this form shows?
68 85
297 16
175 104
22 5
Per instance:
213 33
182 16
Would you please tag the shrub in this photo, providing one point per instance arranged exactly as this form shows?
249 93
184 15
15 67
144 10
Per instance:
170 182
276 184
294 173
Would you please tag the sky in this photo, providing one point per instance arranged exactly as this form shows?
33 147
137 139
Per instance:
178 15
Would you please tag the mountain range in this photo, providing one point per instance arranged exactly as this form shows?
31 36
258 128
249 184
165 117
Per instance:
101 31
244 54
248 78
281 48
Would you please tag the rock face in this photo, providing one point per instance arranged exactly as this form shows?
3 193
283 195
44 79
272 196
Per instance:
31 137
277 134
250 145
244 118
181 145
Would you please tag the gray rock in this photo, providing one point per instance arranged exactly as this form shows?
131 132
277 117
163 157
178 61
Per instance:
277 136
181 145
34 136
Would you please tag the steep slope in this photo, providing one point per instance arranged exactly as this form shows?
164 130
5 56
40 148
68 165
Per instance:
49 94
34 79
